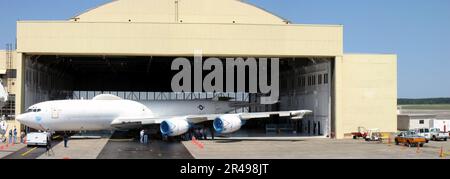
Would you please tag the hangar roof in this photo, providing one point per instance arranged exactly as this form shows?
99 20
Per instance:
184 11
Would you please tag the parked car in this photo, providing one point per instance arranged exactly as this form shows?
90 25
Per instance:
436 134
410 138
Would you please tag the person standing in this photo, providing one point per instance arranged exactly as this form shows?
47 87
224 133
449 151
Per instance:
142 136
145 137
205 134
22 137
10 136
190 134
49 144
212 132
66 139
15 135
314 128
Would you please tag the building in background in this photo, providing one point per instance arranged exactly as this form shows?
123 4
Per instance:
8 76
407 122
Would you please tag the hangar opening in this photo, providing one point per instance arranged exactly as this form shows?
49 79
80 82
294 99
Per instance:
305 83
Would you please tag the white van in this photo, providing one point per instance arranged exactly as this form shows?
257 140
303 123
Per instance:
37 138
424 132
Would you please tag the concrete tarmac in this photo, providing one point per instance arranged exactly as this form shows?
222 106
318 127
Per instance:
24 152
234 148
136 150
76 149
313 149
6 150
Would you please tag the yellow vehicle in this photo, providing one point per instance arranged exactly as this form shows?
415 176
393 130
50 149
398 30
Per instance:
410 139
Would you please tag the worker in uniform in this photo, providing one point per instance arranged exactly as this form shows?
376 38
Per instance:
205 133
66 139
212 132
22 137
15 135
49 144
142 136
145 137
10 136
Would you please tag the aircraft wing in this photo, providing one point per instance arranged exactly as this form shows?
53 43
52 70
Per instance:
295 115
129 122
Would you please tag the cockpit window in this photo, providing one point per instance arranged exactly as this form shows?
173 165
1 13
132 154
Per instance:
32 110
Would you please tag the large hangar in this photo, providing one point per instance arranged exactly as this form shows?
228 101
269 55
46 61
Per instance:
128 45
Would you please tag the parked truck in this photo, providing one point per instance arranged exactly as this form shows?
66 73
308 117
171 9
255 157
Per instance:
436 134
38 138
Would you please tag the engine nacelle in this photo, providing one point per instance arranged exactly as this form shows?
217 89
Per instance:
227 123
174 127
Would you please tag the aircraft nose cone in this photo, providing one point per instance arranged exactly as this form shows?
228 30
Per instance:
20 118
30 120
23 119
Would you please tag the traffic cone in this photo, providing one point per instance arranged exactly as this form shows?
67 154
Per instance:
441 153
194 140
197 143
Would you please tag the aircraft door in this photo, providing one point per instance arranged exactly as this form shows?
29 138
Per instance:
55 113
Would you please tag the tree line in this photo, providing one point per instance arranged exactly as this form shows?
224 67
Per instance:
405 101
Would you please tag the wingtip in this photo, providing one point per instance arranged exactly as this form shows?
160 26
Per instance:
300 114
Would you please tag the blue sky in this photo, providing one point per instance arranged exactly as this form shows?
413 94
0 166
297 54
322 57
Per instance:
417 30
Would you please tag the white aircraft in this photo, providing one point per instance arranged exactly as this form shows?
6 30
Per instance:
108 112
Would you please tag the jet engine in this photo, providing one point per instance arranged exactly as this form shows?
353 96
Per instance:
174 126
227 123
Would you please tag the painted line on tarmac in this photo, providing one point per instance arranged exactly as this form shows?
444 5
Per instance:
29 151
